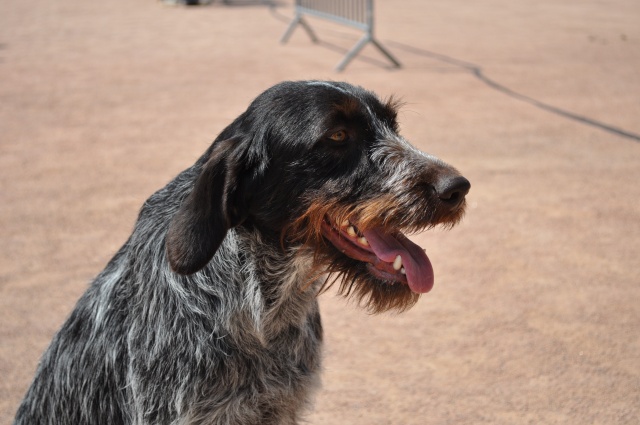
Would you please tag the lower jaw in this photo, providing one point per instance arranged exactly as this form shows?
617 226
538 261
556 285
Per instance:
391 278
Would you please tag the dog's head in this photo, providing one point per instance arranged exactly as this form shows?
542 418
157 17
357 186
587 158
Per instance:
321 165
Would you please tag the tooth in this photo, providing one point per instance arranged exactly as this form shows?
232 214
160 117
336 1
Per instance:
397 263
403 271
363 241
351 231
345 223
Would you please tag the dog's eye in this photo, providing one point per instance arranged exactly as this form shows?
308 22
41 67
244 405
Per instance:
339 136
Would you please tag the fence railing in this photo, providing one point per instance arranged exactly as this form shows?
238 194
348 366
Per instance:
353 13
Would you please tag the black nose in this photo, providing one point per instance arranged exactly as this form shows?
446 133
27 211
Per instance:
452 189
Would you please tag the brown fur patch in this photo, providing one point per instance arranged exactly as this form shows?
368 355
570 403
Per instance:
348 106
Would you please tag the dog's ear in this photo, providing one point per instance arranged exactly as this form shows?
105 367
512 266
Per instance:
208 212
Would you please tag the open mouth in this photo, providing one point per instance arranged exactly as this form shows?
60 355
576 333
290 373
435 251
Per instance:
390 256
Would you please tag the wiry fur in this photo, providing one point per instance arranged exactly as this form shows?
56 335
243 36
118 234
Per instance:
208 313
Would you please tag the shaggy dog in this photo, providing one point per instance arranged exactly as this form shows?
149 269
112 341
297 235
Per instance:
208 314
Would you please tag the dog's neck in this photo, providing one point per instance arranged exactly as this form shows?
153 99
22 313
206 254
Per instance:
279 288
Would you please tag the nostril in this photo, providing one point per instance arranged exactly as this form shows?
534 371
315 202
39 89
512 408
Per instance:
452 190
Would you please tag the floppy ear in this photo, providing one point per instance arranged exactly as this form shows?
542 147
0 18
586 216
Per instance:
208 212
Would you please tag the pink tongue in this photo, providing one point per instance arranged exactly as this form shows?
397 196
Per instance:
416 263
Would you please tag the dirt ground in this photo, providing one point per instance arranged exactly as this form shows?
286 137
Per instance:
535 316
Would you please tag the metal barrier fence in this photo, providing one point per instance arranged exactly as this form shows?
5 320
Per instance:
353 13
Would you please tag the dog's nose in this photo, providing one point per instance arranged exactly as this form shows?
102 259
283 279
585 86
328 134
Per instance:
452 190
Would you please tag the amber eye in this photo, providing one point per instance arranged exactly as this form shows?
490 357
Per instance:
339 136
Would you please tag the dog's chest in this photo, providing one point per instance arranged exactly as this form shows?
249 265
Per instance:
272 380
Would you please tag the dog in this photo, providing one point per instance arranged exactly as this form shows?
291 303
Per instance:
208 314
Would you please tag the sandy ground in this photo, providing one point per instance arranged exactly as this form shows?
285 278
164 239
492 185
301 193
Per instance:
535 315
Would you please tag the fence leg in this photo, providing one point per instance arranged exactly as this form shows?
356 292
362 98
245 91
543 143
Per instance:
385 52
292 26
353 52
359 46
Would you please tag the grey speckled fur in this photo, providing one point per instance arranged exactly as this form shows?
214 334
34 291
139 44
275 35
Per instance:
214 344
